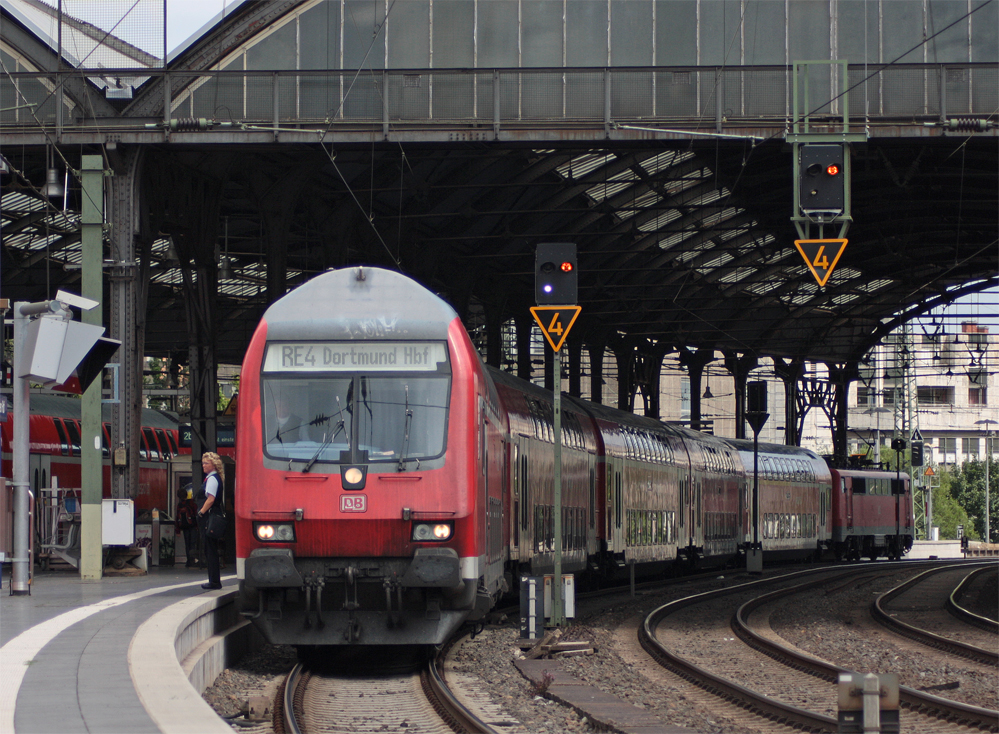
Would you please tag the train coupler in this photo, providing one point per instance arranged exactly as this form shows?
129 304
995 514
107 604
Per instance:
352 632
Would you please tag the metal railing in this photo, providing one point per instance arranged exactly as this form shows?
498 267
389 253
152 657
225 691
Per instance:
712 97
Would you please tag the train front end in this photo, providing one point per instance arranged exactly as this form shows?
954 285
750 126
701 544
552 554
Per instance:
357 484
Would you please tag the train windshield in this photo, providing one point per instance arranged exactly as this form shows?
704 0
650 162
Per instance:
318 407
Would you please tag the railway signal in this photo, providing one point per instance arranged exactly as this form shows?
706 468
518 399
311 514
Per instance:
555 274
555 293
821 182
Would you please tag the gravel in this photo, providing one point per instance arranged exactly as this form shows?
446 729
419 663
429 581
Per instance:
838 628
616 668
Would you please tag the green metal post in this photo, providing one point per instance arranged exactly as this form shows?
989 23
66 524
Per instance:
558 614
91 471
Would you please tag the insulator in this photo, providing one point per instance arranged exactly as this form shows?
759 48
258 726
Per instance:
189 124
968 124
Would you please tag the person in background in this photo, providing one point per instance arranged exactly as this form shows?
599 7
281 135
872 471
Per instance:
186 522
207 497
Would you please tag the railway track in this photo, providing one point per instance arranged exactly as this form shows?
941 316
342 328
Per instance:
783 679
929 594
956 607
418 701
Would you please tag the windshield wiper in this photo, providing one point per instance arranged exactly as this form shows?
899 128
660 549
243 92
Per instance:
280 433
340 426
405 437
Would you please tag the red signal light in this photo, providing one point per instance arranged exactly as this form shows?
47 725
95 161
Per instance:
566 267
832 169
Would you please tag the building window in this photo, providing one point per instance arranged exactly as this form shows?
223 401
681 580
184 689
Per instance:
935 395
969 446
891 394
947 445
865 396
977 396
992 445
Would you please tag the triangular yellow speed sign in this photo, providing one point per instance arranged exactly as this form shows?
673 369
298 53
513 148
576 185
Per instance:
821 256
555 322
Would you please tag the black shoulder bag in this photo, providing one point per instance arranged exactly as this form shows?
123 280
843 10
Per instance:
215 525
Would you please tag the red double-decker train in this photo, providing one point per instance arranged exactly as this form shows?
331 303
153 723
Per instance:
391 486
54 449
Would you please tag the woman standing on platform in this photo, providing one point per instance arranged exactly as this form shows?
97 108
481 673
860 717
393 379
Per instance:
209 499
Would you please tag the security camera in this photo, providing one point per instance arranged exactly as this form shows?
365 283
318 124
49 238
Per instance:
71 299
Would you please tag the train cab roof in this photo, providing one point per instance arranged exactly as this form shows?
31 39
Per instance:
359 303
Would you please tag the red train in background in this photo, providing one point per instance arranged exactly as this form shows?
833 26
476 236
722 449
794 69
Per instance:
872 514
391 486
54 431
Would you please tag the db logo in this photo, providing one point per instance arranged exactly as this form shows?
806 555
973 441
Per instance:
353 503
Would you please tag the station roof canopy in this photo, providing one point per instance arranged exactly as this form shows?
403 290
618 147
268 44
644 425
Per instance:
682 220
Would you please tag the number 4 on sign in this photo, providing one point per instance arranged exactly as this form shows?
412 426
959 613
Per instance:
555 322
821 256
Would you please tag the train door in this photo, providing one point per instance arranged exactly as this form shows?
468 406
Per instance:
514 460
40 466
698 514
848 501
488 451
524 480
615 531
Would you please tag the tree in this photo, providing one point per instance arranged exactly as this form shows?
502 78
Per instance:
968 489
947 511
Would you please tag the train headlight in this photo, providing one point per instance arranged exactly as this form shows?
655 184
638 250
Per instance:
432 531
274 532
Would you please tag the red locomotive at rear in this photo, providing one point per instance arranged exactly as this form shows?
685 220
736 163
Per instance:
362 505
872 514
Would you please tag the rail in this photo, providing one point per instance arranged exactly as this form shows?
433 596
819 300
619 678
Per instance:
723 687
943 708
965 615
924 637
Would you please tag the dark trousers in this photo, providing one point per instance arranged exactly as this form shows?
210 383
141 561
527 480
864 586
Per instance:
191 537
211 553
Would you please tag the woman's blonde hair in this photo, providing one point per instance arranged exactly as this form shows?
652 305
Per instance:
216 462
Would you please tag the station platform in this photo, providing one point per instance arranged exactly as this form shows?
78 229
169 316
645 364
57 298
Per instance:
65 659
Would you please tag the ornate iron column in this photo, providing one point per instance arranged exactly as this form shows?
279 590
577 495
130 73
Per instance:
790 372
126 315
695 362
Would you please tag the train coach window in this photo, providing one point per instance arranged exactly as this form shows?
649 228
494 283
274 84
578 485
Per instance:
860 485
73 429
166 445
154 451
63 441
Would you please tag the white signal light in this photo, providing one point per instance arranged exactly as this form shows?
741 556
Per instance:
282 532
424 532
